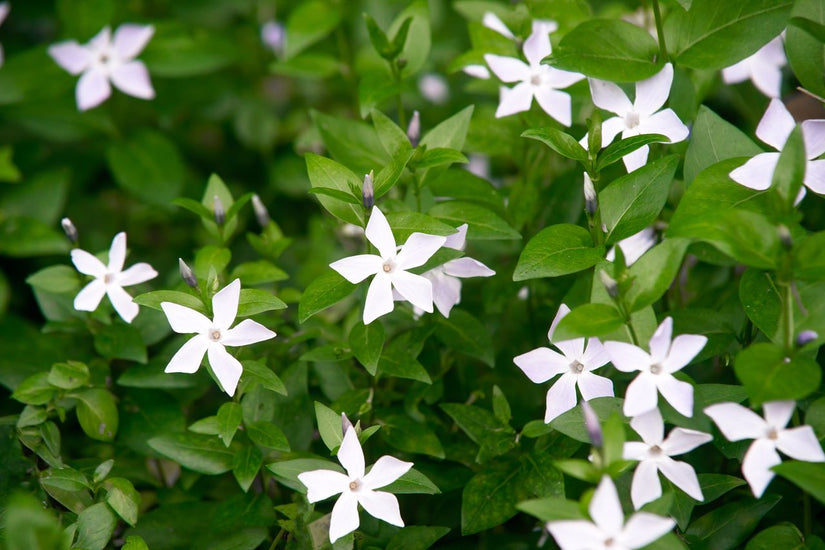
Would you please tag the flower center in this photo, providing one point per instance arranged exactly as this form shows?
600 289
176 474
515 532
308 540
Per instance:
576 367
535 80
631 119
214 334
608 542
655 450
109 278
354 485
772 434
388 266
655 368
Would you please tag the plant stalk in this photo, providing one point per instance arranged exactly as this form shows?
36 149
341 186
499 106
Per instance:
660 31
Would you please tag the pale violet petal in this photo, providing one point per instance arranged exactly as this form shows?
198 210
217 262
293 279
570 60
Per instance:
188 358
88 264
683 476
467 267
92 89
555 103
381 505
667 123
246 332
351 456
561 397
814 177
557 78
477 71
736 73
415 289
635 450
385 470
457 240
117 253
594 355
736 422
576 534
71 56
627 357
660 341
379 298
130 39
322 484
138 273
813 133
344 518
184 320
605 508
446 292
760 457
542 364
514 100
651 94
611 128
641 395
508 69
636 159
89 296
608 96
676 392
225 305
492 21
419 248
537 46
773 53
649 426
683 440
800 443
682 351
645 486
778 413
642 528
357 268
636 245
102 40
776 125
757 172
768 80
379 233
592 386
122 302
132 79
227 369
560 314
5 8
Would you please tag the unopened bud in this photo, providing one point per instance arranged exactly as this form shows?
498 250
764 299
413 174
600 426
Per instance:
261 213
414 129
187 274
368 192
591 423
218 210
806 337
785 237
345 423
69 229
591 200
609 283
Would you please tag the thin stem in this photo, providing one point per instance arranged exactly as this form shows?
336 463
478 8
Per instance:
660 31
787 316
396 77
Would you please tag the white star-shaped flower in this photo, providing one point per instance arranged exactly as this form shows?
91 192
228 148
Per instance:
390 267
107 59
575 363
534 79
656 369
5 7
643 116
653 454
212 336
769 434
608 530
774 128
110 279
764 68
356 488
634 246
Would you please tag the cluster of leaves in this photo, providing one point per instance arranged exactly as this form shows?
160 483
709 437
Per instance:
99 448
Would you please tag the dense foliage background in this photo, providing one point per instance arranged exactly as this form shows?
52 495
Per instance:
99 448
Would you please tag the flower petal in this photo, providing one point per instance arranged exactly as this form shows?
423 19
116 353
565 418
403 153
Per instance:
357 268
418 249
379 233
457 240
667 123
768 80
138 273
635 450
813 132
225 305
130 39
738 72
122 302
246 332
508 69
385 470
592 386
541 364
646 486
814 177
776 125
555 103
491 21
676 392
184 320
557 78
641 395
89 296
560 314
467 267
683 440
605 508
351 456
71 56
642 528
514 100
736 422
778 413
379 298
652 93
594 355
188 358
537 46
227 369
132 79
627 357
683 476
477 71
636 245
609 97
757 172
381 505
446 291
760 457
660 341
117 253
611 128
561 397
92 89
88 264
682 351
344 519
415 289
649 426
636 159
576 534
800 443
322 484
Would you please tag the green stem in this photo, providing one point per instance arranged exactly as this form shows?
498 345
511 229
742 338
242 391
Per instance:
660 31
396 77
787 317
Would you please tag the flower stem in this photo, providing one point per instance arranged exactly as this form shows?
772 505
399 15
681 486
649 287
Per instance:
660 31
787 317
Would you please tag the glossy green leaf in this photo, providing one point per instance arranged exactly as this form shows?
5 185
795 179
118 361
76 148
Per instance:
768 374
557 250
562 143
588 320
326 290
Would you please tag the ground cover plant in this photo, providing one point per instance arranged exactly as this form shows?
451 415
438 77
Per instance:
410 274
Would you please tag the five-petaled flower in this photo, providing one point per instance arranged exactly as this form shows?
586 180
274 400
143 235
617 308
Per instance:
608 530
774 128
653 454
575 364
769 434
764 68
390 267
656 369
356 487
643 116
110 279
106 59
212 336
534 79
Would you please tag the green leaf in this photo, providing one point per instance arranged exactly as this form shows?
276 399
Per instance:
329 426
557 250
134 543
588 320
97 413
552 509
69 375
201 453
328 174
467 187
229 418
785 536
617 150
747 237
353 143
804 45
392 137
378 38
790 169
147 165
245 466
287 471
416 47
632 202
267 434
808 260
308 23
416 537
450 133
713 139
32 416
493 436
768 374
482 223
30 526
808 476
713 35
654 272
258 273
466 334
326 290
154 298
728 526
405 434
256 372
388 176
562 143
411 483
366 342
622 53
123 498
439 156
571 423
404 224
34 390
59 279
253 301
95 526
121 341
183 51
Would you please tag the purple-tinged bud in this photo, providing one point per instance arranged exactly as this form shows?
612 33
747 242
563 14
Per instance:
785 237
806 337
368 192
261 213
591 423
609 283
218 210
187 274
414 129
591 200
69 229
345 423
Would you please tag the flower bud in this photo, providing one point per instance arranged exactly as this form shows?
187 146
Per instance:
218 210
367 192
187 274
609 283
69 229
785 237
414 129
806 337
261 213
591 200
591 423
345 423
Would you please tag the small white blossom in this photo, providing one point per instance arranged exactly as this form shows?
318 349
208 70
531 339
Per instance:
608 530
389 268
764 68
575 363
107 59
634 246
769 434
654 454
5 8
356 487
211 336
273 36
643 116
110 279
774 129
434 88
656 369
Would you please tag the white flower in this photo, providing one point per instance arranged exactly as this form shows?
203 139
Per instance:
764 68
608 530
110 279
356 488
634 246
212 336
642 116
107 59
390 267
774 128
653 454
534 79
656 369
434 88
5 7
575 363
737 422
273 36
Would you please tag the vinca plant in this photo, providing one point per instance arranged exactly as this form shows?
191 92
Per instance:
362 274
